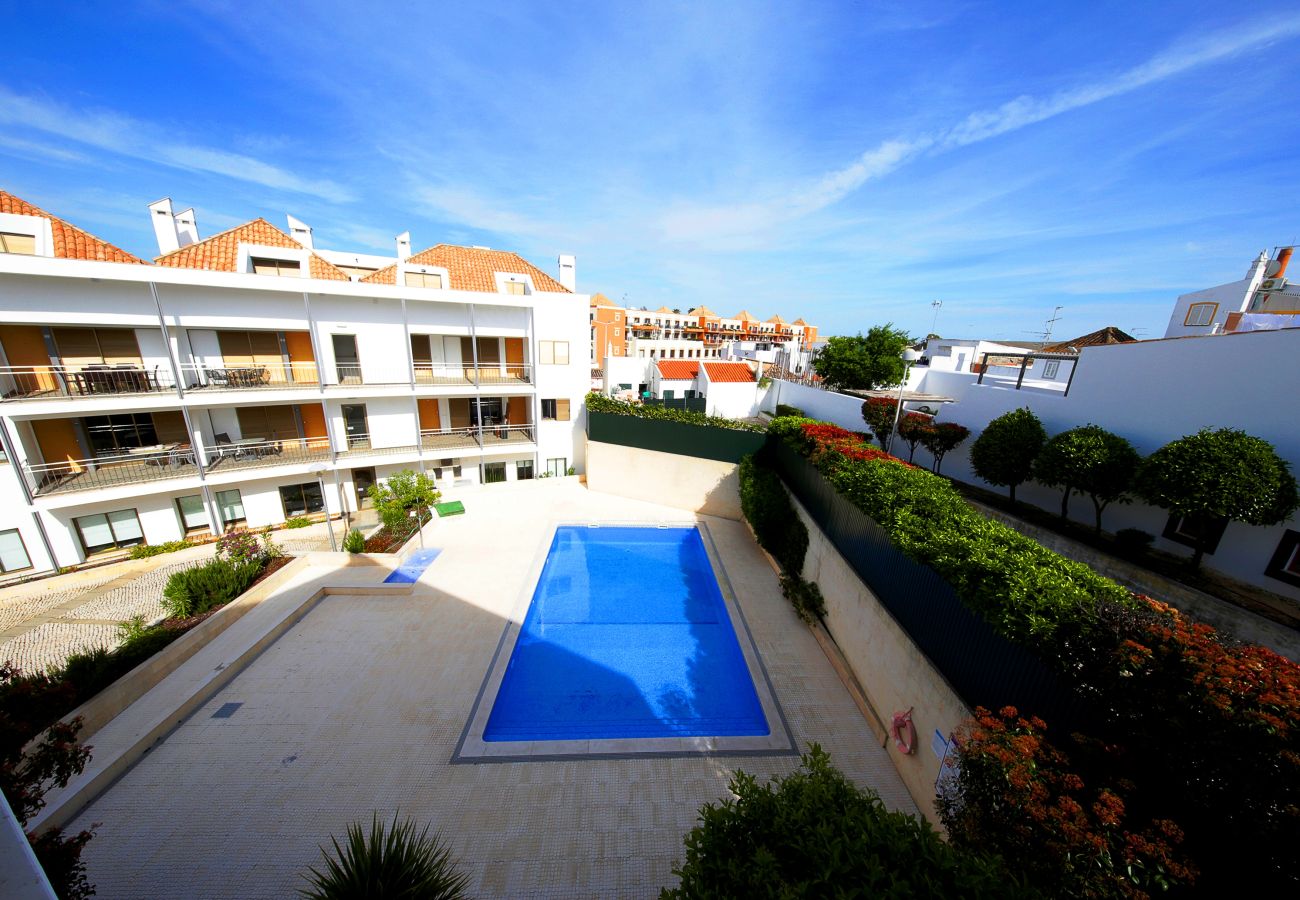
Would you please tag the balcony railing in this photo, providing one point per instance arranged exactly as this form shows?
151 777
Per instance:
135 466
249 453
363 445
55 382
217 377
475 437
437 373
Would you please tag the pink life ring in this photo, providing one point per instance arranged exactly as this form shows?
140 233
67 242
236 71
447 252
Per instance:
903 731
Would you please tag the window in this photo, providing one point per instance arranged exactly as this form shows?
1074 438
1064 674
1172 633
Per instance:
524 470
515 287
424 279
494 472
109 435
13 553
283 267
17 243
1201 313
557 410
557 467
108 531
301 499
230 507
553 353
193 516
1051 367
1185 530
1284 566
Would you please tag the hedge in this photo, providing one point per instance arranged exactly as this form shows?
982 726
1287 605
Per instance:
600 403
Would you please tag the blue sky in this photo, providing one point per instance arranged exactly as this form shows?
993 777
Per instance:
847 162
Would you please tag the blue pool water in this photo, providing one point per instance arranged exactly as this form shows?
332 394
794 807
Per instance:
627 636
413 566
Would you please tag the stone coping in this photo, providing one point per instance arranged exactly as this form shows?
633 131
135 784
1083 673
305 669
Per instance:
471 748
172 686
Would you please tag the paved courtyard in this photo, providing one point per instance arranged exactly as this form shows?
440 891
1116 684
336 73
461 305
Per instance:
358 708
44 621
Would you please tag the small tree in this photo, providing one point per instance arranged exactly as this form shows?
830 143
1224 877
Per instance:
878 413
402 492
1218 475
1089 460
865 361
941 437
912 428
1004 454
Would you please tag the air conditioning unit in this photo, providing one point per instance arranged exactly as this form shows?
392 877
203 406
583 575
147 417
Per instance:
1273 284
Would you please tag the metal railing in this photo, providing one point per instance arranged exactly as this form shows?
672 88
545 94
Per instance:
363 445
54 382
249 453
136 466
218 377
439 373
475 437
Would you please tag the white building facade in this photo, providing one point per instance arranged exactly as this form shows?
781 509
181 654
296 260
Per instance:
246 379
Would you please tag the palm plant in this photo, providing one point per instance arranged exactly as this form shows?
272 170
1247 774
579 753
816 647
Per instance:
391 861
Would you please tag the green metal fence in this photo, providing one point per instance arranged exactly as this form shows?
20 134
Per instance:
701 441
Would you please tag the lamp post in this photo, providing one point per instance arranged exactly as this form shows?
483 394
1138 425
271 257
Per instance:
909 356
319 471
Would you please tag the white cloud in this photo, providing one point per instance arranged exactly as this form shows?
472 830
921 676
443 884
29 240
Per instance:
143 140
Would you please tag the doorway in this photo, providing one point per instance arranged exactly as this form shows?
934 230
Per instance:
347 363
354 426
363 480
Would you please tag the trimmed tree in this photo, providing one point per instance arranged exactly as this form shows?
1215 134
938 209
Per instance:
1088 460
1004 454
865 361
940 438
1218 475
878 413
912 428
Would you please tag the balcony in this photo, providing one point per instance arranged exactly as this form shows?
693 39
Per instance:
63 382
475 437
469 376
205 377
252 453
136 466
362 445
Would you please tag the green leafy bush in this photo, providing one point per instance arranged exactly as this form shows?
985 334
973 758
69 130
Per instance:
813 834
600 403
194 591
1215 475
784 410
390 861
941 438
143 551
1133 541
863 361
767 507
354 542
805 596
402 493
1004 452
1088 460
297 522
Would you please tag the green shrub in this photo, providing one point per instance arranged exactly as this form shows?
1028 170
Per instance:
194 591
600 403
402 493
805 596
354 542
90 671
1133 541
143 551
297 522
767 507
1088 460
391 861
1004 452
813 834
783 409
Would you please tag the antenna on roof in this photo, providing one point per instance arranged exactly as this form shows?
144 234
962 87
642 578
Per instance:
1047 330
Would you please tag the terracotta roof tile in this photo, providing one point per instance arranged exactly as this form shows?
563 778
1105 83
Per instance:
663 309
1108 335
729 372
777 320
744 316
472 269
70 242
799 321
220 253
600 300
703 311
678 369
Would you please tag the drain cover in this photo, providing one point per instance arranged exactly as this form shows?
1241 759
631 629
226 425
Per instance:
226 711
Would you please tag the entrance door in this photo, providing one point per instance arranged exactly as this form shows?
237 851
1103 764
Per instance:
346 361
364 482
354 426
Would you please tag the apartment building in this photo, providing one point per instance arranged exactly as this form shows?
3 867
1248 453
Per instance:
248 377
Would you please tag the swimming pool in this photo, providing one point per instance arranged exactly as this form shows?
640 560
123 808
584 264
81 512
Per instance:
626 636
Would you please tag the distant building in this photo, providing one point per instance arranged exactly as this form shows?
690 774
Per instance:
1262 301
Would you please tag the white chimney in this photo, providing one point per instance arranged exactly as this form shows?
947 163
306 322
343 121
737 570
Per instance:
164 226
187 227
300 231
404 245
569 271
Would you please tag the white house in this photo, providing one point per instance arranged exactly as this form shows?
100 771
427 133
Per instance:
245 378
1262 301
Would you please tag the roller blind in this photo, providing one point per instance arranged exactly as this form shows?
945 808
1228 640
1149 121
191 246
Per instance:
126 525
13 555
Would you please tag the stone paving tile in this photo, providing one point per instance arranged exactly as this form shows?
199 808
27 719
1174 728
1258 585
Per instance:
358 708
15 612
141 596
51 643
